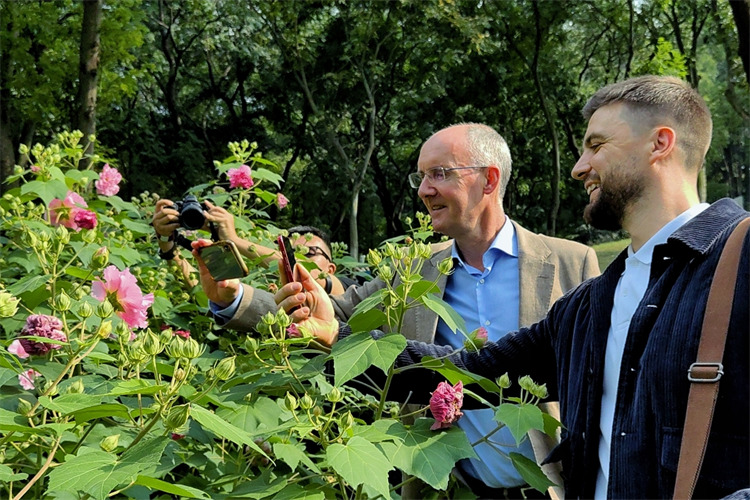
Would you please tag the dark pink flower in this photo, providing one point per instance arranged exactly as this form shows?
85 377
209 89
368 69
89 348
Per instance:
292 331
445 404
109 179
240 177
38 325
177 437
122 291
85 219
63 212
181 333
281 200
26 379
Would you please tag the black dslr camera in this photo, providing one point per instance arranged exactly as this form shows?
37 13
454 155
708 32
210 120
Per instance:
191 213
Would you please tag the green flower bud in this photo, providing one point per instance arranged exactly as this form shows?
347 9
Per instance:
17 169
541 391
225 369
136 354
527 384
179 375
29 239
269 318
50 388
390 251
89 236
105 329
100 258
446 266
283 319
24 407
23 149
385 273
306 402
290 402
62 234
177 417
317 411
192 349
76 387
105 309
413 251
251 344
109 443
335 395
151 343
8 305
425 251
374 258
347 420
503 381
63 302
85 310
122 330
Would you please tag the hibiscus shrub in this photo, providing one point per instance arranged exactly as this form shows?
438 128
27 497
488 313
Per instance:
114 381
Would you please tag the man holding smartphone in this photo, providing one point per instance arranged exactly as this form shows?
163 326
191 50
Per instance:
504 277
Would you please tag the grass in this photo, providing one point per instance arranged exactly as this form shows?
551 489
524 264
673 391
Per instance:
606 252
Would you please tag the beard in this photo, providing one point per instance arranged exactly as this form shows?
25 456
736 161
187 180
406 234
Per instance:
615 196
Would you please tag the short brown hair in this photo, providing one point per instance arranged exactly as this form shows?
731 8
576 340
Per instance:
663 99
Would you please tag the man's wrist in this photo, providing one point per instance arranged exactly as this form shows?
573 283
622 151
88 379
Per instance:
165 238
168 254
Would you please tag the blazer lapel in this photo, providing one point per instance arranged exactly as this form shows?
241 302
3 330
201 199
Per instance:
421 320
536 276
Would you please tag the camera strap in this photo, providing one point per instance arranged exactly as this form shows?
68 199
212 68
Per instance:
214 232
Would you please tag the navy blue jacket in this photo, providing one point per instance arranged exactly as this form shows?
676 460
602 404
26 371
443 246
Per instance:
566 350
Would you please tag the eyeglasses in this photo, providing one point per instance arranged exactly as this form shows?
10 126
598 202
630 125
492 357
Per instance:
312 251
434 175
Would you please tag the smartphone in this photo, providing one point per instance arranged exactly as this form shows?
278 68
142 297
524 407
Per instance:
223 261
287 257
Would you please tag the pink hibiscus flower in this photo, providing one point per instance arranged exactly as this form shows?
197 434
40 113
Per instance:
476 339
445 404
181 333
240 177
109 179
38 325
122 291
85 219
292 331
281 200
26 379
63 212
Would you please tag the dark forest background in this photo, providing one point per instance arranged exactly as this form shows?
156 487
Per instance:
340 94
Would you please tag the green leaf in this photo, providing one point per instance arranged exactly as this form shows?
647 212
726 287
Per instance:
261 416
446 312
135 386
47 191
261 487
551 424
69 403
520 418
366 321
120 205
98 473
7 475
100 411
429 455
175 489
348 460
453 374
267 175
11 421
222 428
530 472
422 287
29 283
356 353
292 455
137 228
370 302
78 272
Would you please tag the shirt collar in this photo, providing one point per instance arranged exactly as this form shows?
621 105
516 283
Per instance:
505 241
645 253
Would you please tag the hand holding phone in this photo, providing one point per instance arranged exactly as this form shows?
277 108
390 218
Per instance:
223 261
287 257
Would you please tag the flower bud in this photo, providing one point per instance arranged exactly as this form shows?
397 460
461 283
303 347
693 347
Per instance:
527 383
109 443
24 407
177 417
269 318
347 420
335 395
425 251
283 319
385 273
306 402
89 236
76 387
29 239
62 234
413 251
446 266
151 343
85 310
50 388
104 310
8 305
123 332
290 402
191 349
136 354
225 369
251 344
105 330
317 411
62 303
390 251
17 169
100 258
503 381
179 375
374 258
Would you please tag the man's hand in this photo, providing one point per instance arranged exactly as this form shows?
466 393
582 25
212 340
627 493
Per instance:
166 219
222 293
314 309
223 222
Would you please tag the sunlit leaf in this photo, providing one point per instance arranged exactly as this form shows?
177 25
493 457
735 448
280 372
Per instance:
348 460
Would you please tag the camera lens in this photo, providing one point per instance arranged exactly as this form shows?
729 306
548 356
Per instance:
191 213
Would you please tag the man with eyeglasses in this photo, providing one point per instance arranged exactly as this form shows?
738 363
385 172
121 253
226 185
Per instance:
462 174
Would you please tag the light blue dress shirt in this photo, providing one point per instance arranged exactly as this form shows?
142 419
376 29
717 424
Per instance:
489 298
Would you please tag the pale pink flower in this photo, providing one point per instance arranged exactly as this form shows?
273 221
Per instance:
292 331
445 404
181 333
38 325
122 291
35 169
281 200
240 177
63 212
26 379
85 219
107 185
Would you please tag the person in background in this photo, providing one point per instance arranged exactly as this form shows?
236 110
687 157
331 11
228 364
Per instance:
504 277
617 350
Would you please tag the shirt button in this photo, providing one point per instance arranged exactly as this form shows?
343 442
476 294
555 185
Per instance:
482 280
486 323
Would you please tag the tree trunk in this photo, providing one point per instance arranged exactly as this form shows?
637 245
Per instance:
88 72
741 14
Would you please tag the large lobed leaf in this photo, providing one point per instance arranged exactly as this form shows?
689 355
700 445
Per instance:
360 462
520 418
356 353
